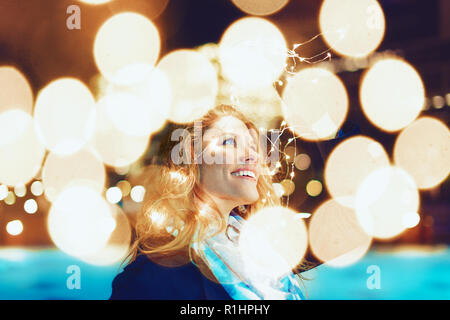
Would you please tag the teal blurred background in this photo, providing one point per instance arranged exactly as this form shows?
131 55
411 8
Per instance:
407 272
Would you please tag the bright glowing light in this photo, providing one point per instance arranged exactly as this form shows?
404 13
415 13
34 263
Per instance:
311 113
314 188
16 91
21 152
410 220
382 200
3 191
260 7
81 168
114 147
126 48
193 82
157 218
137 193
288 186
14 227
392 94
438 102
252 53
335 235
30 206
20 190
65 115
10 198
113 194
118 243
125 187
302 161
279 190
273 241
37 188
80 221
143 108
423 150
352 27
349 164
95 2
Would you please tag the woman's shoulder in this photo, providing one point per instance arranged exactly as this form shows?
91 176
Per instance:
145 279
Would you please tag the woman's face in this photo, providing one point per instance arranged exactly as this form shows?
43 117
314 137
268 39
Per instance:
230 166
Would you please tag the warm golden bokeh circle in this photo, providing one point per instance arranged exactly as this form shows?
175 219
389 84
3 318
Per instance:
309 112
349 164
260 7
273 241
352 27
81 168
335 235
383 199
391 94
127 47
423 150
65 114
193 83
15 90
252 53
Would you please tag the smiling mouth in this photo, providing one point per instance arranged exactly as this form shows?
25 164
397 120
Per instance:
244 175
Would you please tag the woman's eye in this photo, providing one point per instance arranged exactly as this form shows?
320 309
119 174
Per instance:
225 142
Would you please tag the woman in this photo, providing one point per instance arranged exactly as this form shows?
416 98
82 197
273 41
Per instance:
197 198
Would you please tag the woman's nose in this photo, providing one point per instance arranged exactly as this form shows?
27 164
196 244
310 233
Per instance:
249 156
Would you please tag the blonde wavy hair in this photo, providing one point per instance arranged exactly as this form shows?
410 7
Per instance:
177 213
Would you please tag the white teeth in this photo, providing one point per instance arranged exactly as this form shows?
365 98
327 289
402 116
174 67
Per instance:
244 173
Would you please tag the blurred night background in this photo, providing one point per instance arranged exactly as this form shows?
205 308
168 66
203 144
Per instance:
35 40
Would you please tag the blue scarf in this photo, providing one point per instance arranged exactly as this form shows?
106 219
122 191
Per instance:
223 258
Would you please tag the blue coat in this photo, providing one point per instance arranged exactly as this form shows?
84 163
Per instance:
144 279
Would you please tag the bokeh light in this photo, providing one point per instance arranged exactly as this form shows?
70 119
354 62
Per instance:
383 199
113 194
81 168
411 219
252 53
314 188
126 48
137 193
21 151
80 221
193 83
260 7
273 248
142 108
114 147
349 164
352 27
20 190
302 161
392 94
288 186
279 190
125 187
3 191
95 2
423 150
30 206
65 114
315 104
16 92
14 227
335 235
10 198
117 246
37 188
